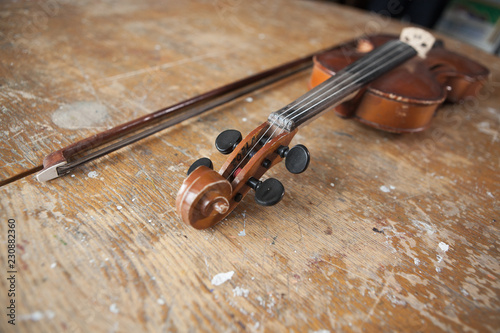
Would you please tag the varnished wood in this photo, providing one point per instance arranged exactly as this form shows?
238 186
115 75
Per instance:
405 99
206 187
343 251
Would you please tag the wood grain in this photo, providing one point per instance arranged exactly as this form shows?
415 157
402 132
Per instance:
383 232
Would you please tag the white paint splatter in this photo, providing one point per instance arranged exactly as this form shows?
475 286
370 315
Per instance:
489 194
424 226
53 265
249 99
443 246
119 207
93 174
320 331
221 278
244 119
385 189
176 168
240 292
37 315
438 269
113 308
160 301
439 258
396 301
484 127
416 261
332 184
392 187
242 233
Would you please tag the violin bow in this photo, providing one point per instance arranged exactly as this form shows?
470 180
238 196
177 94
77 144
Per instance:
62 161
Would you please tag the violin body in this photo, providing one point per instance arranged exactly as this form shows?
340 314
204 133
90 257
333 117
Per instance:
406 98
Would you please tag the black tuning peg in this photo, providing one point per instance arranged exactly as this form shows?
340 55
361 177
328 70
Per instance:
296 159
228 140
267 193
202 161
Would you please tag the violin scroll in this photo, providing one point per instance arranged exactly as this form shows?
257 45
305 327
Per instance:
207 196
204 195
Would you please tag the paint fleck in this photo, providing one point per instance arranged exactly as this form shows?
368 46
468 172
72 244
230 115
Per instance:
416 261
244 119
93 174
53 265
385 189
332 184
249 99
424 226
240 292
491 195
37 315
119 207
443 246
321 331
396 301
113 308
160 301
242 233
221 278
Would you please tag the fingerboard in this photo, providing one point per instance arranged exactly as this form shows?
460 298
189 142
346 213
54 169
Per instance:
343 84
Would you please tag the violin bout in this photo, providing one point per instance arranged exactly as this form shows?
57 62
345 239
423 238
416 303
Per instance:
406 98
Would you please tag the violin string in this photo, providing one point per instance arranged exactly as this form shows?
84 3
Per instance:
357 64
337 91
335 84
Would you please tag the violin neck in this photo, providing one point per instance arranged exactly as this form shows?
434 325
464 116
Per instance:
342 86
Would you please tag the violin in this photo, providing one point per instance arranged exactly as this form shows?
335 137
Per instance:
377 80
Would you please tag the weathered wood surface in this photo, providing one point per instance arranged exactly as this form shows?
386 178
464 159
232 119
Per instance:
103 250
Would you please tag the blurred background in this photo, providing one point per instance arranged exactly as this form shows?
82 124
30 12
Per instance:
473 21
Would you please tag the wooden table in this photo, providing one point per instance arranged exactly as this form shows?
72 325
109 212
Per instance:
384 232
